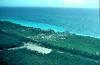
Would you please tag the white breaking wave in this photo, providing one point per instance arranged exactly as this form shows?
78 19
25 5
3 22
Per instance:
33 47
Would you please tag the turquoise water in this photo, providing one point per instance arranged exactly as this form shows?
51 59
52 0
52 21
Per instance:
43 26
78 21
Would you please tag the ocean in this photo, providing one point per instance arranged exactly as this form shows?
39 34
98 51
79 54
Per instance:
80 21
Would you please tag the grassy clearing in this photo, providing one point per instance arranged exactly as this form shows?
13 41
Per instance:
77 50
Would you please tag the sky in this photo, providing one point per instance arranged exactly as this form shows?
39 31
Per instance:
51 3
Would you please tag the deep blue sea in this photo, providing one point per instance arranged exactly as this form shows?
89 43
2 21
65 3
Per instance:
81 21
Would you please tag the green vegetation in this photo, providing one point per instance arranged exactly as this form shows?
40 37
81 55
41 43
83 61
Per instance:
25 57
76 50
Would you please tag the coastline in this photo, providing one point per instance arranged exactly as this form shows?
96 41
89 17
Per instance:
44 26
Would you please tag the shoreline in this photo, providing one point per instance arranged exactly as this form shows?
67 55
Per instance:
48 28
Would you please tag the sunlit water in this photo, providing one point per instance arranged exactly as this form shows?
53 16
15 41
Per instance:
78 21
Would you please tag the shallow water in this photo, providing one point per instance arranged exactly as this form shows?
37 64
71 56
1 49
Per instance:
43 26
78 21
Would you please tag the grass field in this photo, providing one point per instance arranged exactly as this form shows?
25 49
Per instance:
67 48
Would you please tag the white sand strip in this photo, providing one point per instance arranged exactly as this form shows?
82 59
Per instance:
33 47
